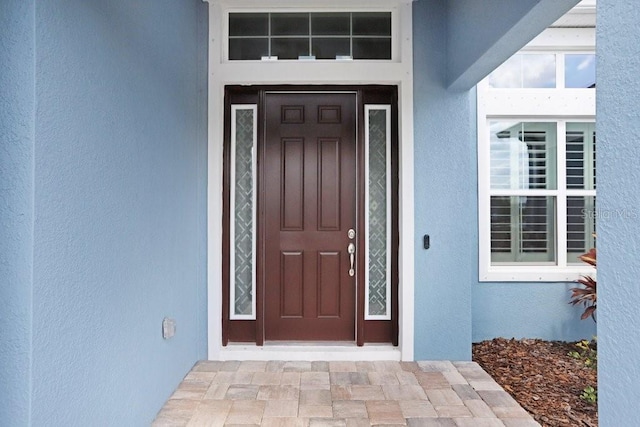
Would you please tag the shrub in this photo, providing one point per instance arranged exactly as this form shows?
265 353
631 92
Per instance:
587 295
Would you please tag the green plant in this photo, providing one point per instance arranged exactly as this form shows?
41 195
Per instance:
586 296
587 351
589 395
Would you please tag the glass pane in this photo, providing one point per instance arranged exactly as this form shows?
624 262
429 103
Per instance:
329 48
522 155
289 24
522 229
248 49
372 24
539 71
525 71
330 24
508 75
243 227
289 48
581 226
580 71
371 48
377 220
248 24
581 152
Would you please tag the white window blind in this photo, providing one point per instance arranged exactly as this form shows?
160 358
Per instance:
542 192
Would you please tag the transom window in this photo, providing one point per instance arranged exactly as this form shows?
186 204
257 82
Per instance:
546 70
315 35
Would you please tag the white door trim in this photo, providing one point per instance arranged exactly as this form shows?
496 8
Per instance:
398 72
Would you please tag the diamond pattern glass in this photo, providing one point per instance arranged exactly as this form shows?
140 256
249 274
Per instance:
377 188
243 217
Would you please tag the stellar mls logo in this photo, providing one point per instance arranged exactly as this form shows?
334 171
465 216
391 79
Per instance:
609 214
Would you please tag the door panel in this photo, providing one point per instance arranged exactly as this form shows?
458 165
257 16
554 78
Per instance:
309 202
291 199
329 184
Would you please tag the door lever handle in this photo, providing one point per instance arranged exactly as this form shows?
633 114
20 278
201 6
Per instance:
351 249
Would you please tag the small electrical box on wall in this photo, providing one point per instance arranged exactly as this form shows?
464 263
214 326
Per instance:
426 241
168 328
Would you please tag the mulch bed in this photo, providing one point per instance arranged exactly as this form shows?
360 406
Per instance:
542 378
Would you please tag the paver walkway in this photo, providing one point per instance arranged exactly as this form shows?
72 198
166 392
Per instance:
358 394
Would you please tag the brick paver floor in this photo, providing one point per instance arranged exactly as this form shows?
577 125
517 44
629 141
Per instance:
301 394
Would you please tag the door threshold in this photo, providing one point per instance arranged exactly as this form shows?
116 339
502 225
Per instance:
310 351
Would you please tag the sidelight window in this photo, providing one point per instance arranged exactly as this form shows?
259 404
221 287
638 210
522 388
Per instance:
378 212
243 202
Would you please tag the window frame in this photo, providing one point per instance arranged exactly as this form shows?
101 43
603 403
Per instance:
394 36
561 269
560 105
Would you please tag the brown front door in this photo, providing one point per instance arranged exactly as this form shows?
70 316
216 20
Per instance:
309 205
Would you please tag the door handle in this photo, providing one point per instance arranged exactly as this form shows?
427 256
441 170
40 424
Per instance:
351 249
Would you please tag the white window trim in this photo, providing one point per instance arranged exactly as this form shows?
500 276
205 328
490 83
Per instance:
232 224
559 105
387 109
398 73
526 272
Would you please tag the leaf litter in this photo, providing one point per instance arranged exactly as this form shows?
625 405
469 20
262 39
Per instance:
542 377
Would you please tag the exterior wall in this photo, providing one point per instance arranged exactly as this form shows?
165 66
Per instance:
618 233
453 308
535 309
120 227
445 194
16 207
527 310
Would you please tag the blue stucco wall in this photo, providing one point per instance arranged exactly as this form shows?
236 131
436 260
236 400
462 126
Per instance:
120 227
528 310
16 207
618 127
454 308
445 194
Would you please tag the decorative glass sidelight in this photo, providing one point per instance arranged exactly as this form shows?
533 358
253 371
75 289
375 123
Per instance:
243 205
378 212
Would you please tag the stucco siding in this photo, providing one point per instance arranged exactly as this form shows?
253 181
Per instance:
119 207
445 195
618 229
453 308
16 207
528 310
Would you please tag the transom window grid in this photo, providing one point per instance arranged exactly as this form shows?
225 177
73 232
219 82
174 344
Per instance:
546 70
542 192
310 35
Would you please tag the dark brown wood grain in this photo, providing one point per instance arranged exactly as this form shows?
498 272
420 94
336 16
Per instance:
310 192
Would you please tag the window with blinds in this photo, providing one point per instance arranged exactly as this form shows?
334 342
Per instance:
523 160
537 162
529 190
581 185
